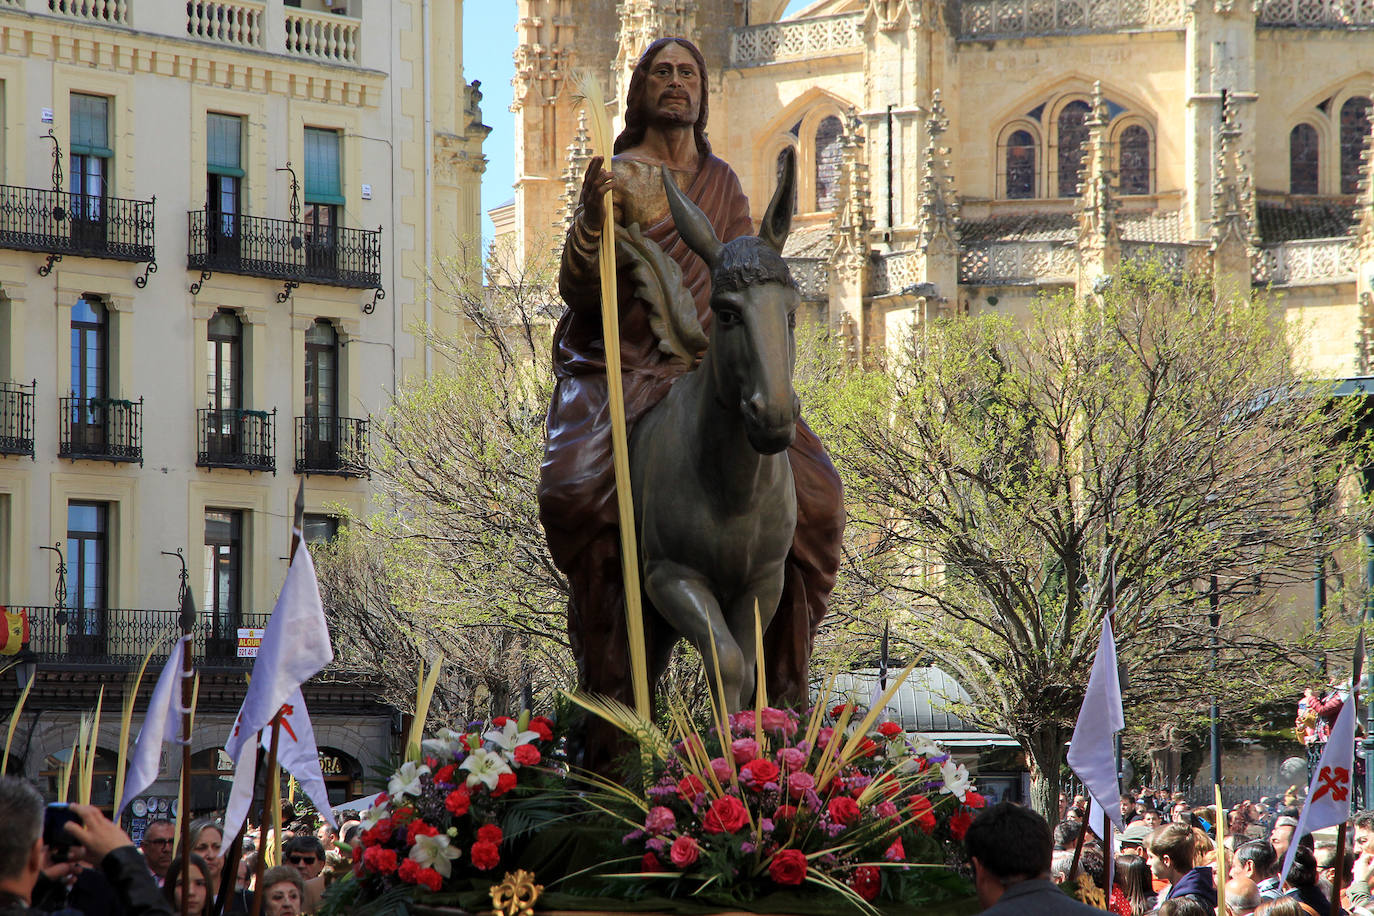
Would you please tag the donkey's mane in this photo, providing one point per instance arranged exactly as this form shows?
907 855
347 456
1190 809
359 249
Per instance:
748 261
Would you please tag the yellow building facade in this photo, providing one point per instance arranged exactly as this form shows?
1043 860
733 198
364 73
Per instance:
217 224
944 148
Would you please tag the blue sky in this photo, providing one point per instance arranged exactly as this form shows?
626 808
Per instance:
488 49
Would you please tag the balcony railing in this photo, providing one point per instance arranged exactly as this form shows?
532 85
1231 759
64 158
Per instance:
61 223
121 637
110 11
16 418
242 439
323 36
1317 14
332 445
103 429
1305 262
772 42
984 19
282 249
229 22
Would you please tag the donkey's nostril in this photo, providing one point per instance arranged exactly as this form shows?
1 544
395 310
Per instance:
753 406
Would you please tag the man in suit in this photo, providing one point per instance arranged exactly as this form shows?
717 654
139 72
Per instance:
1010 848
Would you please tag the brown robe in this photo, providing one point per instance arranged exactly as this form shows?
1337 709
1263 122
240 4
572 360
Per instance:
577 501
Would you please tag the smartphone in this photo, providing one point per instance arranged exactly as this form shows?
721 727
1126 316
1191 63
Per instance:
55 836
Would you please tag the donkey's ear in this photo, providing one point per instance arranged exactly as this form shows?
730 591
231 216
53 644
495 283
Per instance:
692 224
777 221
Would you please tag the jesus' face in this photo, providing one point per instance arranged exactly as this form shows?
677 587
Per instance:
673 96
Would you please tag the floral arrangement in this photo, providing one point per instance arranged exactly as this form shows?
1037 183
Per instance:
440 820
769 800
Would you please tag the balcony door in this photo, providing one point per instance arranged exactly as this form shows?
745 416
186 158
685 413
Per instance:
224 187
224 383
323 201
90 170
223 579
321 395
90 376
88 577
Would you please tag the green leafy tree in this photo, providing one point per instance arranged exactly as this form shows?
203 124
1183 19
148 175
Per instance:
1149 451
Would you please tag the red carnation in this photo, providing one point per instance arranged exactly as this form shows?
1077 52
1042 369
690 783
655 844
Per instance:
683 852
959 824
867 881
430 879
431 762
727 815
380 860
843 810
974 800
543 727
896 852
402 815
527 755
419 828
490 833
485 856
788 867
504 783
690 787
650 862
445 775
379 832
837 711
759 771
500 721
867 747
409 872
357 853
458 801
889 730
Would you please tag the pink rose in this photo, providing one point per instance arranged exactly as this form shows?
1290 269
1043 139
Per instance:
798 784
721 767
823 738
661 820
683 852
791 759
778 720
744 750
886 809
895 852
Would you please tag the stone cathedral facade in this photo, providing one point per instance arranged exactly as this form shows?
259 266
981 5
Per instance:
967 155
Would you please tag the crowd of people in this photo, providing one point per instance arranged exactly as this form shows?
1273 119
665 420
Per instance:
103 872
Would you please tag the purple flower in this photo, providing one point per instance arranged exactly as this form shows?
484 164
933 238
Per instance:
657 844
834 830
747 847
765 825
632 836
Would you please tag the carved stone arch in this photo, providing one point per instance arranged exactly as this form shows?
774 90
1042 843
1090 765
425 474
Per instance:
1346 143
1125 128
1003 180
1326 174
810 108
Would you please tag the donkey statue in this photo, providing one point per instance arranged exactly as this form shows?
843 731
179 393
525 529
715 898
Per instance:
715 504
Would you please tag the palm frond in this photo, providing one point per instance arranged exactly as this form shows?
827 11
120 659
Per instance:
644 732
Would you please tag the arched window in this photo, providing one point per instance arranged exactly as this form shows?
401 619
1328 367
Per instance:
1020 165
1302 160
1134 156
777 173
1073 138
1354 135
827 162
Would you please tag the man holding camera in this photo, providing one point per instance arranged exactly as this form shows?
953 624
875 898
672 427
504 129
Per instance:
24 855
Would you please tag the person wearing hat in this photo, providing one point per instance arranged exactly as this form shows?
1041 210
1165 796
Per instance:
1132 840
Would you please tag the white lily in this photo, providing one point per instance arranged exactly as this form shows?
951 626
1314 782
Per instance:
485 767
372 815
956 779
445 745
924 747
508 738
406 780
435 852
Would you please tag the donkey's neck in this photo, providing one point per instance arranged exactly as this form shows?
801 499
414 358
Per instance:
728 464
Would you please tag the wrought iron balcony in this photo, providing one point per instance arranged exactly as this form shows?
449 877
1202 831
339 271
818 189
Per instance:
283 249
332 445
16 418
61 223
242 439
103 429
120 637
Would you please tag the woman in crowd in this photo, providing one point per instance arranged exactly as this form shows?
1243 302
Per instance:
1132 878
197 889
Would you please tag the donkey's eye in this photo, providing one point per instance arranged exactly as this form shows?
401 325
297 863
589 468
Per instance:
792 320
728 318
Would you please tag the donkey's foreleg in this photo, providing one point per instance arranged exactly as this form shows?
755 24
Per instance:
683 599
766 591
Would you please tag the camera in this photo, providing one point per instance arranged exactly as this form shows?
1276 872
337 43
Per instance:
55 836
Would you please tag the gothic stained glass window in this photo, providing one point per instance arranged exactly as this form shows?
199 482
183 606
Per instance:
1020 165
827 162
1073 140
1134 160
1302 160
1354 136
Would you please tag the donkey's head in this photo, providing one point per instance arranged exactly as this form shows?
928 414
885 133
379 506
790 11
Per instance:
754 300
